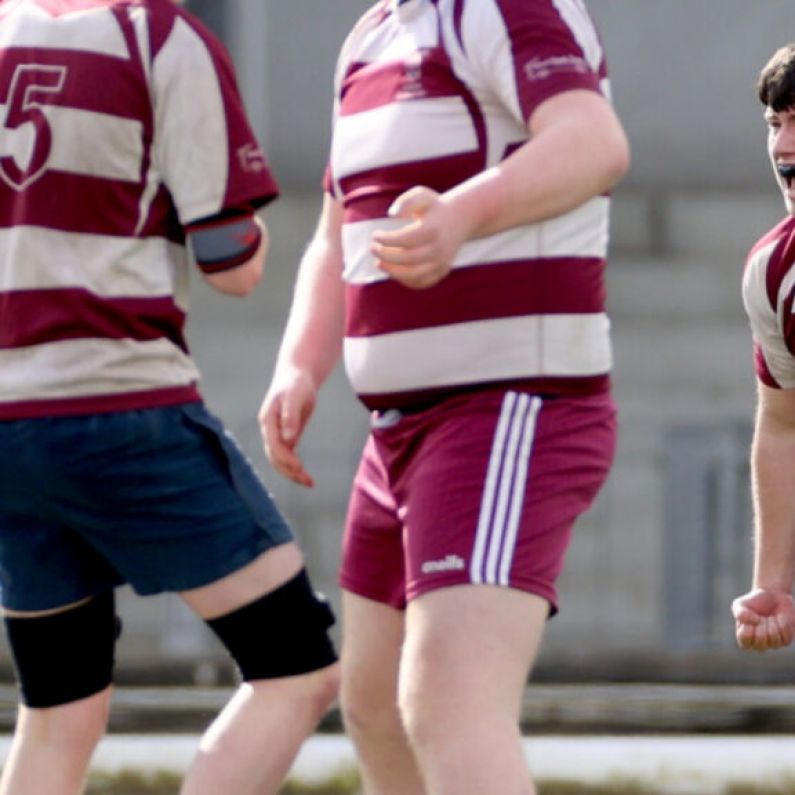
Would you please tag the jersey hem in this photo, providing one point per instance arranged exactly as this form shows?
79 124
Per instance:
99 404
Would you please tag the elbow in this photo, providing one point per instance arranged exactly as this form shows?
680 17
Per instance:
247 284
618 158
254 269
243 279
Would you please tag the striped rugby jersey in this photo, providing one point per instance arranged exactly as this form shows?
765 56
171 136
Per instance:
768 293
431 92
120 125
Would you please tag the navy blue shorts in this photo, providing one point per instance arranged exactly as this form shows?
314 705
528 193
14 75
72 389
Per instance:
162 499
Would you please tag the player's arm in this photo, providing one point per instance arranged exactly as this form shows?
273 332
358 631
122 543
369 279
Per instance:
230 250
766 615
577 150
772 472
310 347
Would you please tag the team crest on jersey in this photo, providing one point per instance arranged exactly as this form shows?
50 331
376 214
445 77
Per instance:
26 135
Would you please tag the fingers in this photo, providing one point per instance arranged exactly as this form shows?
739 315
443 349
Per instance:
414 254
413 203
390 243
412 259
765 634
416 277
743 613
280 435
764 619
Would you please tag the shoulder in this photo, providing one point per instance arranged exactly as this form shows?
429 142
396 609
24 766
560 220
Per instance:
769 272
367 22
168 22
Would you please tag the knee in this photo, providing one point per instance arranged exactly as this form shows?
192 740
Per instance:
426 705
77 726
415 715
323 689
369 708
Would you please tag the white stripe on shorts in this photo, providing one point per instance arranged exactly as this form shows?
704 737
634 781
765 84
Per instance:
504 491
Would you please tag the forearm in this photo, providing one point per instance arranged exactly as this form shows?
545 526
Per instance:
312 340
774 504
578 150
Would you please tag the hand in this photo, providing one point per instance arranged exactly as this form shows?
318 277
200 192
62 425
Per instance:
286 409
764 619
421 253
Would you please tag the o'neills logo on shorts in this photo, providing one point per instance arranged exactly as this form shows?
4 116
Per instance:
450 563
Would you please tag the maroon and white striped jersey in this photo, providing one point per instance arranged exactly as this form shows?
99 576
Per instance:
120 125
432 92
768 294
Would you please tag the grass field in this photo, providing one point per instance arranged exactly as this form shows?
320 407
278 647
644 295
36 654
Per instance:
133 783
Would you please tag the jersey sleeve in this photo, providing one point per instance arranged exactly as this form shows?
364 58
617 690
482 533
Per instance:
207 154
768 291
528 52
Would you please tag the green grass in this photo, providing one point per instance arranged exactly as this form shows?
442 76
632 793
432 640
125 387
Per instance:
135 783
131 782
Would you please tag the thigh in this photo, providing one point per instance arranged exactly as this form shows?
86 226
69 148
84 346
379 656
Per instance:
372 637
263 575
469 649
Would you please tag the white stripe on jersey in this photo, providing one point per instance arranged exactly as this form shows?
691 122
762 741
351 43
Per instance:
359 138
496 349
767 323
584 230
504 491
145 269
197 101
102 36
127 366
119 159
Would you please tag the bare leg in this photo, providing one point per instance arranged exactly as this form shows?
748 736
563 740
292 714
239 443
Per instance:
52 747
466 658
372 639
251 745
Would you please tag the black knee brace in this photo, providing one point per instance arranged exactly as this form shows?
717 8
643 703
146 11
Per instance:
62 657
284 633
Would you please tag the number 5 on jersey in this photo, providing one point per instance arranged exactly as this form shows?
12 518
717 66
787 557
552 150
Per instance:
26 151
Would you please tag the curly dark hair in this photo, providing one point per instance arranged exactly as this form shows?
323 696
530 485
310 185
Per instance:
776 84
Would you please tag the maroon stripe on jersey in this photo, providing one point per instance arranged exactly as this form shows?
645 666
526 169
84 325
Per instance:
420 399
369 86
92 205
34 317
120 91
761 368
161 25
458 14
788 321
781 258
547 58
96 404
368 194
479 292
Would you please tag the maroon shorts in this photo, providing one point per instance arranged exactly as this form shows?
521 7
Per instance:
480 488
